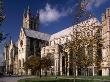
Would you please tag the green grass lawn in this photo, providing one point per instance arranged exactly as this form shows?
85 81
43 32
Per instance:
89 77
54 79
95 77
58 80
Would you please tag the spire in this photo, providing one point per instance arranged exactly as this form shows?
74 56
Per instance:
37 12
28 7
10 40
28 10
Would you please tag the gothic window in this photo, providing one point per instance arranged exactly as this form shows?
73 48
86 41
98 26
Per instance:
23 61
31 47
19 63
11 53
21 43
22 49
19 50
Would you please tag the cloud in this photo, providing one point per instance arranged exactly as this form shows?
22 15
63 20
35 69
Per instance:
99 2
95 4
49 14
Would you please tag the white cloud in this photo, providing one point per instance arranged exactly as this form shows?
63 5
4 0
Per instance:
49 14
95 3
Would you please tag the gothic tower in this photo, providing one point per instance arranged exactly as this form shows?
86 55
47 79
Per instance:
30 21
106 43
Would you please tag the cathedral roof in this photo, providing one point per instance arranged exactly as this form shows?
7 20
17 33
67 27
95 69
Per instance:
36 34
69 31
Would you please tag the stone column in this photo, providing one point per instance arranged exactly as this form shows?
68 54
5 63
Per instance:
76 71
41 72
65 66
56 63
56 67
6 69
94 57
60 64
93 73
68 65
87 55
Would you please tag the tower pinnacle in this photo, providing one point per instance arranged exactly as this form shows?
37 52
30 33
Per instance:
30 21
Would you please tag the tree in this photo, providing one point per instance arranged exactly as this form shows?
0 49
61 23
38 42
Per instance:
82 39
32 63
81 58
2 17
47 62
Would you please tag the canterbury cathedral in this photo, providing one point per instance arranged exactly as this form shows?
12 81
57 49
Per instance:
33 42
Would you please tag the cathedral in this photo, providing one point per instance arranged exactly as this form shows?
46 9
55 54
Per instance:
33 42
29 43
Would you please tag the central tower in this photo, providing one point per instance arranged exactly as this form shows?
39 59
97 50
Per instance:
30 21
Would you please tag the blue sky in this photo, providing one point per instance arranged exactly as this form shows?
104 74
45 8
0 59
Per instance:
55 15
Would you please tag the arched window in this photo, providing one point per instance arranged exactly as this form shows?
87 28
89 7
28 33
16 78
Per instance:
23 61
19 63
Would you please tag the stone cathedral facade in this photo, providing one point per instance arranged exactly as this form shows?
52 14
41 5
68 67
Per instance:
57 40
33 42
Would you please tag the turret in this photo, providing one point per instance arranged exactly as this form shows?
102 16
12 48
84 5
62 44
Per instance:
30 21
